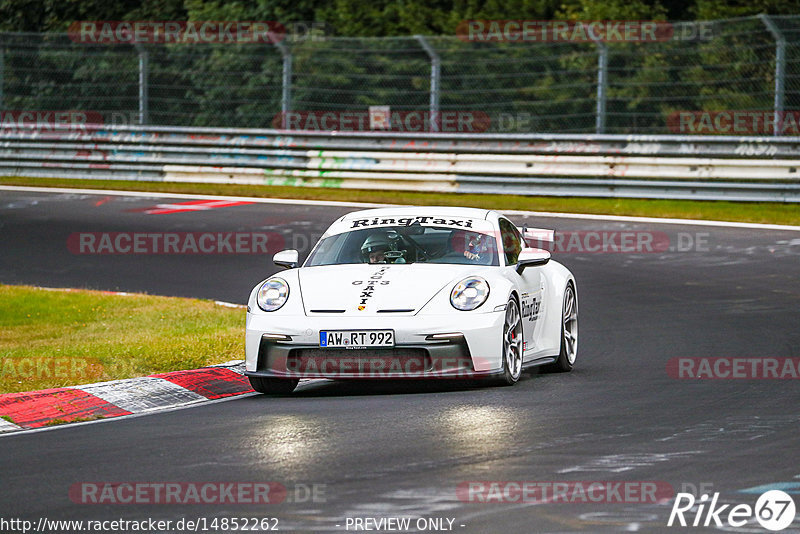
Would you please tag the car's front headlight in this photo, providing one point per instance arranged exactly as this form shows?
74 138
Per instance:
272 294
469 293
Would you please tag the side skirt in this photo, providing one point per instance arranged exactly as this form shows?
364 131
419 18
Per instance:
539 361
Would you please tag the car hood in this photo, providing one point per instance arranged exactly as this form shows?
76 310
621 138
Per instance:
375 289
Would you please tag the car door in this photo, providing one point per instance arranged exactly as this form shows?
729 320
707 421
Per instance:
530 286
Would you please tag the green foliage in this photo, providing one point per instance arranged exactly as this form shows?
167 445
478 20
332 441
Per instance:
380 18
723 9
57 15
612 10
539 87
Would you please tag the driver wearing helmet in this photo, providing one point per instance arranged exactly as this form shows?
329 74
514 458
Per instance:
377 248
475 247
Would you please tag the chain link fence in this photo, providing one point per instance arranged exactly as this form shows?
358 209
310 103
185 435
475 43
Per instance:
742 65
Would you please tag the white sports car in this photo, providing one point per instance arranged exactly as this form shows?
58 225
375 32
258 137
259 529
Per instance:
413 292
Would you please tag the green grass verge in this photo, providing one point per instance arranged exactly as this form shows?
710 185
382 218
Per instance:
757 212
64 338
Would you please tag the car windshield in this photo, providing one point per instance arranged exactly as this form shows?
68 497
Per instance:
406 244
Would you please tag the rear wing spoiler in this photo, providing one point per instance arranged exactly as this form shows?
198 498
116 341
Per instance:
538 237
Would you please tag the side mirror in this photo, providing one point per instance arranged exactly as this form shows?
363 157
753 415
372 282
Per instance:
539 237
530 257
286 258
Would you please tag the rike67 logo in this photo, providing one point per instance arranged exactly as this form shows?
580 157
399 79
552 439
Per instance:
774 510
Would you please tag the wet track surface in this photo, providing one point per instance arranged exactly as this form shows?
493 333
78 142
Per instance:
403 449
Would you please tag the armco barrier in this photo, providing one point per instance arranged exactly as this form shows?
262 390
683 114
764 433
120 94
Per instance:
690 167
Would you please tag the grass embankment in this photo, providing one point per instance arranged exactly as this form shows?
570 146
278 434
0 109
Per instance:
61 338
756 212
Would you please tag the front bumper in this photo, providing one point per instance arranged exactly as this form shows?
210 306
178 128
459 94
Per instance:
475 350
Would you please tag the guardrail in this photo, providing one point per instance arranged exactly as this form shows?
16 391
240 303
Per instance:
677 167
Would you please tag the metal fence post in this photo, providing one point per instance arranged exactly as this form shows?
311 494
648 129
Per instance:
286 92
602 87
436 71
2 72
780 70
144 110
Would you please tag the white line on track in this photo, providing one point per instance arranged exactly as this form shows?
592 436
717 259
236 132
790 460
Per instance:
336 203
152 194
656 220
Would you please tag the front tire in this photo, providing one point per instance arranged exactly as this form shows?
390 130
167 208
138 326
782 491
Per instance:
273 386
569 333
512 345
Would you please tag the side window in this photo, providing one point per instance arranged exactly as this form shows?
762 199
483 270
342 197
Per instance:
512 241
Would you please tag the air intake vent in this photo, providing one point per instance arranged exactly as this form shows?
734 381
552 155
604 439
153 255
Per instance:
326 311
395 311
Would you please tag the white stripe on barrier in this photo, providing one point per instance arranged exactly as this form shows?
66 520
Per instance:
311 178
559 165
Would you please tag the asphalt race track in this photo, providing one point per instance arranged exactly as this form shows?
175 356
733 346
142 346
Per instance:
375 450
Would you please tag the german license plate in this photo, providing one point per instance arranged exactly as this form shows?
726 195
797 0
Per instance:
356 339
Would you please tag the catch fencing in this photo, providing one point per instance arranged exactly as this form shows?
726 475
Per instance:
745 64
